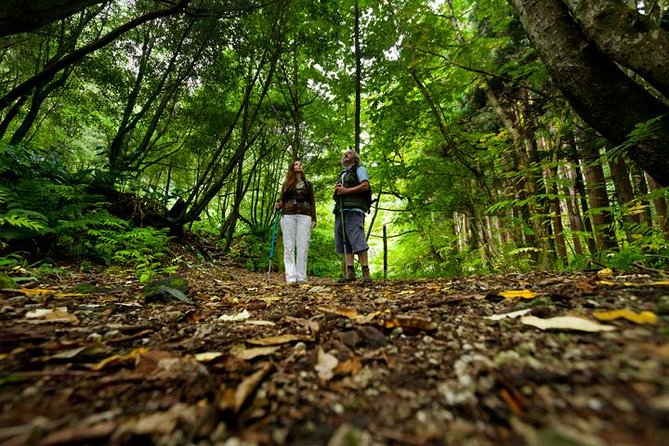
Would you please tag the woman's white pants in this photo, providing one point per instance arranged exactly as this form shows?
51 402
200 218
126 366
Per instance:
296 231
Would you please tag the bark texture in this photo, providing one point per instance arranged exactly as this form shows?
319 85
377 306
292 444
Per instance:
18 16
629 38
598 90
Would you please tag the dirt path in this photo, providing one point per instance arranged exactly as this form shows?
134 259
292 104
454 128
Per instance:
240 360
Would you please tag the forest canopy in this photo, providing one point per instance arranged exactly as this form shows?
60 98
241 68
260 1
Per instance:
499 135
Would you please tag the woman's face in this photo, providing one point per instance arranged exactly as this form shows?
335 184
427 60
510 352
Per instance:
297 166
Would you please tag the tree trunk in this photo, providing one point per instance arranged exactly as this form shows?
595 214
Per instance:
596 88
595 184
571 204
358 75
661 215
624 195
19 16
550 174
627 37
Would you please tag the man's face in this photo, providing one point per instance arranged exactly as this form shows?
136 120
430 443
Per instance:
347 159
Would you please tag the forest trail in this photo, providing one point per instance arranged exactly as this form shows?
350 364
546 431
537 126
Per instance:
243 359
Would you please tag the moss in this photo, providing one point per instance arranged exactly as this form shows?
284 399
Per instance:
7 283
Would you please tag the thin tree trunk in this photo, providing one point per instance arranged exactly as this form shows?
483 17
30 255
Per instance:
595 185
571 204
358 75
661 215
620 177
558 227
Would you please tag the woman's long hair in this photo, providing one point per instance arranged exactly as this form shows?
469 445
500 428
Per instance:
291 178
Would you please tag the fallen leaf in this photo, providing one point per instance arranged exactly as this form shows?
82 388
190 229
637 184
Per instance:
410 323
325 365
512 294
69 354
251 353
248 386
260 323
207 356
242 316
644 317
118 359
349 367
606 272
40 291
661 351
511 315
280 339
350 313
59 314
565 323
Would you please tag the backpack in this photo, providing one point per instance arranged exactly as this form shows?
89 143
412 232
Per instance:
367 195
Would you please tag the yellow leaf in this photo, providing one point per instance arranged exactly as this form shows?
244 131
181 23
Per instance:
606 282
280 339
606 272
40 291
644 317
207 356
660 283
133 355
512 294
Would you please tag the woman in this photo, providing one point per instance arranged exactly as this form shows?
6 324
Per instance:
298 219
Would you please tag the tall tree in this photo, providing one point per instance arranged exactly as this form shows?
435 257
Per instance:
603 94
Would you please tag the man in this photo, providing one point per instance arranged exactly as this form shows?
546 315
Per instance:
351 204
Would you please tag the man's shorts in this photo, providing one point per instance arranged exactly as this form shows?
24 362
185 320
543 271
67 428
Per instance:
354 222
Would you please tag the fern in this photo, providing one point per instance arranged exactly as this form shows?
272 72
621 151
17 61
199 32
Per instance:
145 249
21 223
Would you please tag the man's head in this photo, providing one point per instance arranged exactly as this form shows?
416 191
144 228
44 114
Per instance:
350 158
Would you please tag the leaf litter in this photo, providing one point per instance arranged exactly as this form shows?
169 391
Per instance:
499 360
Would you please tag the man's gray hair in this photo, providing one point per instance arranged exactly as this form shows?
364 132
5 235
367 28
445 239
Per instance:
356 156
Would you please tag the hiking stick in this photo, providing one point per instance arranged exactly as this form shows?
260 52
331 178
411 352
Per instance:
343 234
271 249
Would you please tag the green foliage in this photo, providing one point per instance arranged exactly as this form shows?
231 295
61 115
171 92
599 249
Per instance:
624 259
642 131
415 256
650 250
516 259
452 93
145 249
7 282
250 249
323 260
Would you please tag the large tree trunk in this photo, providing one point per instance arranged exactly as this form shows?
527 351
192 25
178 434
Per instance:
18 16
600 92
631 39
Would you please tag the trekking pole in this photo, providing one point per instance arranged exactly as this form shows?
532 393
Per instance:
271 249
343 234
